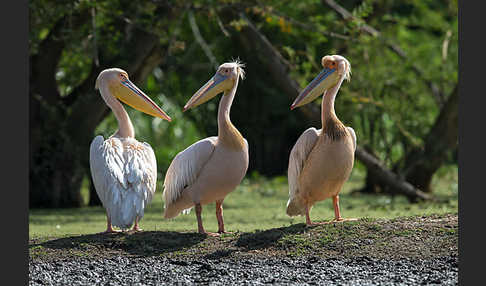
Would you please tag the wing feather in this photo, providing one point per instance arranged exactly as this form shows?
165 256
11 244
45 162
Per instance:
185 168
124 173
298 156
353 134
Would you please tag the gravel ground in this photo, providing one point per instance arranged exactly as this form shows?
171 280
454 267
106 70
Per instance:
251 270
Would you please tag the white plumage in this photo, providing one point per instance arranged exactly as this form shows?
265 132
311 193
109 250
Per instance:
353 134
124 173
185 168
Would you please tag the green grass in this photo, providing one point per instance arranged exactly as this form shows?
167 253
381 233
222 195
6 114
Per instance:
257 204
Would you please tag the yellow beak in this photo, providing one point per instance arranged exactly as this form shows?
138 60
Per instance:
217 84
326 79
130 94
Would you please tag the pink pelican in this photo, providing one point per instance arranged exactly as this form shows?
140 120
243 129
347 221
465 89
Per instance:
321 160
211 168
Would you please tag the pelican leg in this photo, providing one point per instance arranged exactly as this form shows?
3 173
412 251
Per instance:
109 227
337 213
200 227
135 226
219 216
308 221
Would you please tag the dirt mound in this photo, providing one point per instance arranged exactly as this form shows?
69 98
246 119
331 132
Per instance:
407 237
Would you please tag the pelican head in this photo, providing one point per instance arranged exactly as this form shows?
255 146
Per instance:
336 68
115 81
225 78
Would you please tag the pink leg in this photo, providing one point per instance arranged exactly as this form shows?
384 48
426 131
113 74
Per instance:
109 228
337 213
200 227
219 216
135 226
308 221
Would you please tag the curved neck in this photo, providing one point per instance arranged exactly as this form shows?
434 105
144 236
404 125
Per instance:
327 105
227 132
125 127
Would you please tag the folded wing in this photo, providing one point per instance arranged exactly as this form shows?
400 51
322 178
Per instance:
297 159
185 169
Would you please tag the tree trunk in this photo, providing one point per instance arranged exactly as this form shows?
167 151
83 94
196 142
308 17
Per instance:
441 141
62 128
372 185
422 163
278 68
54 168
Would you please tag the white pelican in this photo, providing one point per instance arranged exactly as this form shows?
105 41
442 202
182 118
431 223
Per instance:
321 160
211 168
124 170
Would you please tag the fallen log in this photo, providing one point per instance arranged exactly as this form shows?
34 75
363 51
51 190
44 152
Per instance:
386 178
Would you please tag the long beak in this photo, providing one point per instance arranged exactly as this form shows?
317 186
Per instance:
212 88
324 80
130 94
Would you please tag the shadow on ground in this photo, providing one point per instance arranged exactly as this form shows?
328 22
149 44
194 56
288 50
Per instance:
146 243
268 238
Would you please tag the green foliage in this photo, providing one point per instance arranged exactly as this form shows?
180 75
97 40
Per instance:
388 103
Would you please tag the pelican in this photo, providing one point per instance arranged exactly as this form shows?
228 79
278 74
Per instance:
124 171
211 168
321 160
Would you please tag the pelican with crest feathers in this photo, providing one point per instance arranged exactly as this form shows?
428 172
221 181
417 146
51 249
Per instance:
321 160
124 170
211 168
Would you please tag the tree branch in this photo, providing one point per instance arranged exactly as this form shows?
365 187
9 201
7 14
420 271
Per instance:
277 65
200 40
145 55
278 69
346 15
387 178
44 63
310 27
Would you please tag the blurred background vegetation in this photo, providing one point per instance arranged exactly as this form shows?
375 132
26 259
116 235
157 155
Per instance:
401 101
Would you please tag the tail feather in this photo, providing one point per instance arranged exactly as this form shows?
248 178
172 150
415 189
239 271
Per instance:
130 206
183 204
295 207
